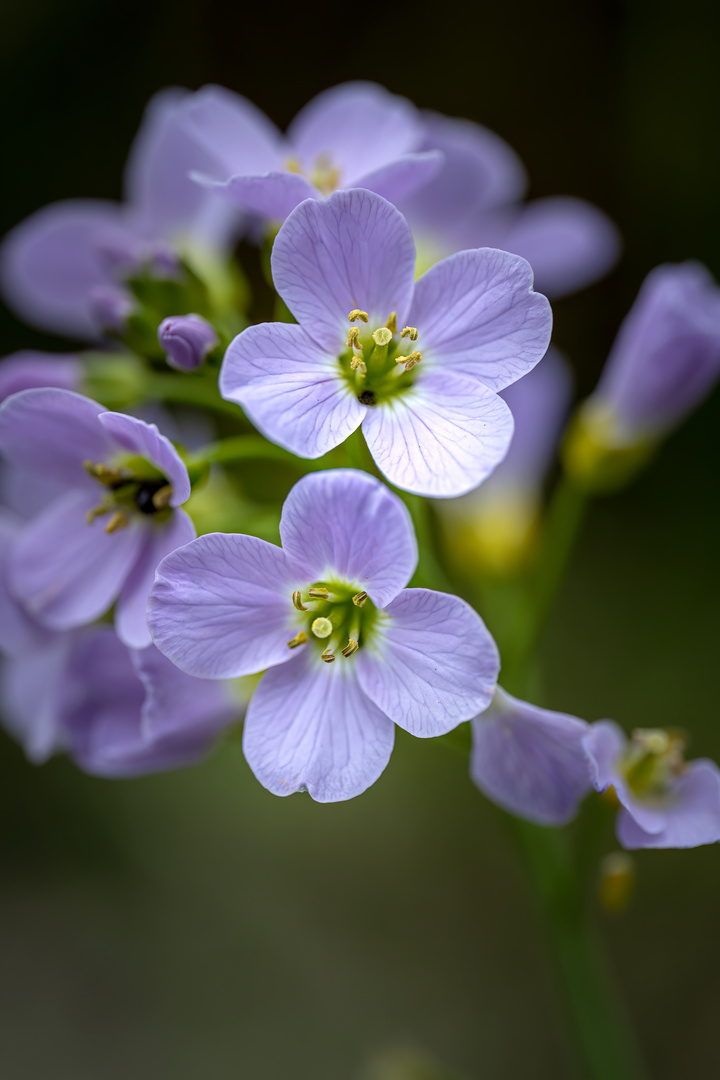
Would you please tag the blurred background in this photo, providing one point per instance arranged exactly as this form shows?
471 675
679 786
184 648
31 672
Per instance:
193 924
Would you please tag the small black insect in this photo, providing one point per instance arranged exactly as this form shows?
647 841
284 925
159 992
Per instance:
367 398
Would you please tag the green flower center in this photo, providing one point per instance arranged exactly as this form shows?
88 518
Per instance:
379 363
652 760
335 617
133 487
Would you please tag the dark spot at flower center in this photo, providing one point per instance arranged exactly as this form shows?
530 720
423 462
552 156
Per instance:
144 498
367 398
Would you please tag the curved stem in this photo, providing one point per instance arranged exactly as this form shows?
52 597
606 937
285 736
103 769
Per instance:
190 390
254 448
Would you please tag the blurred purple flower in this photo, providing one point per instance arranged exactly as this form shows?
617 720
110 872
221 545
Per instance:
530 761
429 412
351 651
68 569
474 201
496 523
187 340
116 711
29 369
665 802
352 136
666 356
62 266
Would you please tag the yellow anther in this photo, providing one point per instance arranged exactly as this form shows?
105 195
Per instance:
409 332
383 336
293 165
101 472
97 511
412 360
119 520
322 627
356 314
359 599
328 656
353 339
359 365
351 647
299 639
652 740
297 600
318 594
392 322
162 497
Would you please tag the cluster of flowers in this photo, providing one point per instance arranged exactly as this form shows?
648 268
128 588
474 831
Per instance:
431 377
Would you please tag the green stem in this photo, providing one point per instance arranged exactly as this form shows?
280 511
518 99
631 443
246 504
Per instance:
603 1039
190 390
253 448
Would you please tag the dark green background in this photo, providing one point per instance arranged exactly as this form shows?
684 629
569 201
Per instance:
193 925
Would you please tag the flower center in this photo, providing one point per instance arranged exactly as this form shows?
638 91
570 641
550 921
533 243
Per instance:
652 760
337 618
323 175
136 487
379 363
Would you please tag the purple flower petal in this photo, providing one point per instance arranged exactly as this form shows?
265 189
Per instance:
352 250
604 745
430 664
480 171
28 370
568 242
291 389
345 524
273 194
51 261
478 315
221 606
529 760
130 614
145 440
358 127
52 432
400 178
692 816
176 704
66 572
18 632
165 201
442 437
234 132
31 687
310 727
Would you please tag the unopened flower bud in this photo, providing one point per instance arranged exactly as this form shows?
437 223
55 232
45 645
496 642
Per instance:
111 307
187 340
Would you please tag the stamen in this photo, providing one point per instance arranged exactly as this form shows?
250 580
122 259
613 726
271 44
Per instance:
97 511
293 165
409 361
162 497
409 332
351 647
101 472
356 314
392 322
359 365
328 656
299 639
359 599
297 600
383 336
353 339
322 627
318 594
119 520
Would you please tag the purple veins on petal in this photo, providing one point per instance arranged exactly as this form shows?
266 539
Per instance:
530 761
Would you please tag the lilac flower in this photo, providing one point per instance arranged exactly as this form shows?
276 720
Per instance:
351 651
474 201
355 135
665 359
28 369
665 802
417 365
116 711
496 524
187 340
530 761
70 565
63 268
